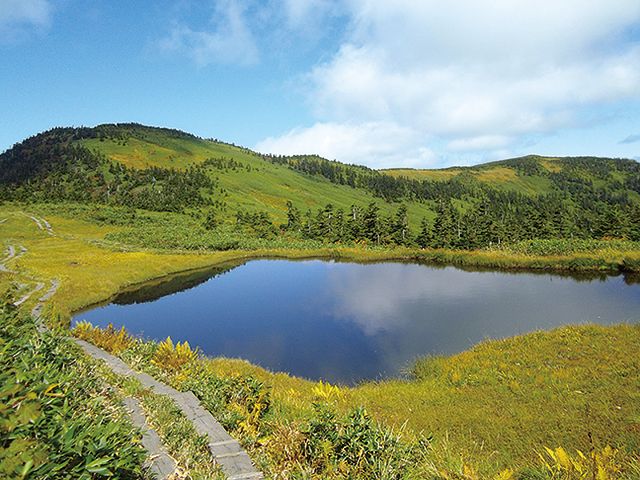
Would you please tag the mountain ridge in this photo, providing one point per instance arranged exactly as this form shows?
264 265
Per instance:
168 170
105 130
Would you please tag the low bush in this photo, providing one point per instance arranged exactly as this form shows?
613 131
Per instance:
353 446
172 358
110 339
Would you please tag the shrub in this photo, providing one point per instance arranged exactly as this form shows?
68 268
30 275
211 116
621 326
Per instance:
173 358
110 339
354 446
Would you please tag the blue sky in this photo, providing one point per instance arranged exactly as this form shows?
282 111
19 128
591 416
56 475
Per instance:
419 83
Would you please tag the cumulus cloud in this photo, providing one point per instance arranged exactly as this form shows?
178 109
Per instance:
229 40
379 302
460 99
379 145
18 16
477 76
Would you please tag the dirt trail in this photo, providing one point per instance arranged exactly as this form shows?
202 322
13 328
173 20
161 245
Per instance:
11 254
36 312
42 223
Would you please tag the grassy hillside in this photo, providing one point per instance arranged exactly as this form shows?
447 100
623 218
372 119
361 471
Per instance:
236 179
248 182
531 175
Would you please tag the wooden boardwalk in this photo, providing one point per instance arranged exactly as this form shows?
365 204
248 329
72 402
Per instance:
225 450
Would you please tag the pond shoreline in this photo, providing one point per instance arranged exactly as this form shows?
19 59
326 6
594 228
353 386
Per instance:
569 265
378 315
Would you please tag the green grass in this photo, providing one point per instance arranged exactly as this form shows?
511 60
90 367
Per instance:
159 150
505 399
44 383
498 176
489 410
423 174
265 187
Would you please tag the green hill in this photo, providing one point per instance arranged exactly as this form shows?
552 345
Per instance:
163 170
243 179
535 174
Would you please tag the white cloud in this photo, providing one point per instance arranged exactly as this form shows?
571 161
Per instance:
228 41
379 302
379 145
302 13
18 15
480 143
475 75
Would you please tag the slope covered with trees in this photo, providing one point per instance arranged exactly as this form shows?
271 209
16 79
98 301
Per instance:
239 192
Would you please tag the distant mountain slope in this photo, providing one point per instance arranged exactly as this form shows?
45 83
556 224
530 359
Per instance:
168 170
534 174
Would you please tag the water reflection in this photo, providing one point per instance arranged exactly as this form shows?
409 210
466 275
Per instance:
346 322
153 290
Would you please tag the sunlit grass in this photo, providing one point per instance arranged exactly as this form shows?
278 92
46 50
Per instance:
91 270
503 407
489 410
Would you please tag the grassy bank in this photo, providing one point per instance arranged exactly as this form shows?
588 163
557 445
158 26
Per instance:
44 383
91 269
490 412
487 412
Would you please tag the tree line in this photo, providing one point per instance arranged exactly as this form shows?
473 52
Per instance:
477 226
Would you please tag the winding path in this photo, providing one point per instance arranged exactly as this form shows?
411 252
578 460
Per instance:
36 311
39 286
11 254
42 224
225 450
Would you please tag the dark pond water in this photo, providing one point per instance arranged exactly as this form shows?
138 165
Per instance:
346 322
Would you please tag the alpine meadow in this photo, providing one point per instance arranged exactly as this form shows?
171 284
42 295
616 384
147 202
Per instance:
375 280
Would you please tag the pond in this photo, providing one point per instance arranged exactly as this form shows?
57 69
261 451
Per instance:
347 322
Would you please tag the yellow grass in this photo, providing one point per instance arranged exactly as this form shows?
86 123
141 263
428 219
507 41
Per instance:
417 174
497 174
499 403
